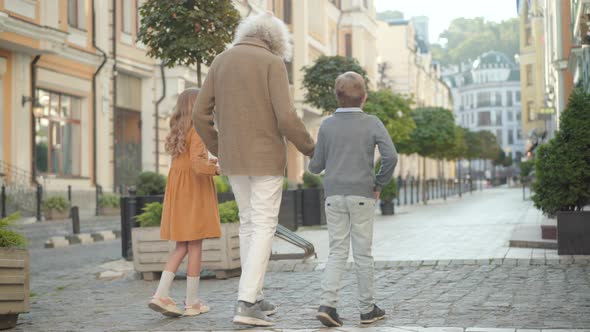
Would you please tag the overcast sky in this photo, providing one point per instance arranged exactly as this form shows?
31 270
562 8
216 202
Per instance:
442 12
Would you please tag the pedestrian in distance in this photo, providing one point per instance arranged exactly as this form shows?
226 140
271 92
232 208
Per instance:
345 150
190 213
246 95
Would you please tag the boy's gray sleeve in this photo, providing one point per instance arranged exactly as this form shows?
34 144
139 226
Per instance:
318 162
388 156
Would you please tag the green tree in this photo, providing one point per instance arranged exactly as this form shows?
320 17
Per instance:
489 147
468 38
187 32
433 137
394 111
562 167
319 79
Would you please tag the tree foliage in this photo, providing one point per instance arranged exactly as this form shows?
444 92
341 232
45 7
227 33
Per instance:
187 32
489 147
434 135
562 166
319 79
459 150
468 38
394 111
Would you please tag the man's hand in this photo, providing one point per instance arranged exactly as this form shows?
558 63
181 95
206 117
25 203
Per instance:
377 195
218 171
212 160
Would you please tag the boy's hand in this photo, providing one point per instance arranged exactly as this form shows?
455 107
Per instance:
377 194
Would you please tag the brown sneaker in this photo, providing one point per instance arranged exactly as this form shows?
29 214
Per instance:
195 309
165 305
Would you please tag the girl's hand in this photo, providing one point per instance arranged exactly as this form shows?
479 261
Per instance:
212 160
218 170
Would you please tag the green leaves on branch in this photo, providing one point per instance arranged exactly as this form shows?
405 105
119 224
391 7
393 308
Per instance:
319 79
187 32
562 166
434 135
9 238
394 111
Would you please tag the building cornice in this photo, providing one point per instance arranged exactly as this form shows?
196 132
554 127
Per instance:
51 40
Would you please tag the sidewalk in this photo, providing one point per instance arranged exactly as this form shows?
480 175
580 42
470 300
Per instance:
475 227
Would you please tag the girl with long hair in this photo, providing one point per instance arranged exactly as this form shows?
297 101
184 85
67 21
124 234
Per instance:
190 212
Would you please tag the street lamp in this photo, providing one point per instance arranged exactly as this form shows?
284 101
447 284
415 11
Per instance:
37 106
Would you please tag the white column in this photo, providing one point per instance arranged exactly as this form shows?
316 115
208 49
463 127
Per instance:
21 119
148 131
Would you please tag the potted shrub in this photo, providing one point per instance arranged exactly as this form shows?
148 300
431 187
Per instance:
220 255
313 200
562 177
109 204
388 194
56 208
14 274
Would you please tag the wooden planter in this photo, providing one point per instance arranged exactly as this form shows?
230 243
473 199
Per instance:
14 285
219 255
573 233
53 214
110 211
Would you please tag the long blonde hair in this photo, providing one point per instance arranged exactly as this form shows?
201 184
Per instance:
181 122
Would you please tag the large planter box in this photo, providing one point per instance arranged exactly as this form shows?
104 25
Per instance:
219 255
53 214
313 207
573 233
225 197
387 208
14 285
110 211
131 206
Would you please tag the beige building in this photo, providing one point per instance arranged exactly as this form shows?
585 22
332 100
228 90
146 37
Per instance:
406 67
532 68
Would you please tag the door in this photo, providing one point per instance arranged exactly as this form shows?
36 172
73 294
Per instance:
127 147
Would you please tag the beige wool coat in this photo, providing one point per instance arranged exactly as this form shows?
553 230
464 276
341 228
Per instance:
246 94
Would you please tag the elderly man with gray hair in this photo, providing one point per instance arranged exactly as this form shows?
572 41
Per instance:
246 94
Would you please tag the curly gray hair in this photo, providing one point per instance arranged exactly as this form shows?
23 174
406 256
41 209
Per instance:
269 29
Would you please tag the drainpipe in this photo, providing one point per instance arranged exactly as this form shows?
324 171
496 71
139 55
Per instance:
249 8
158 117
33 120
114 78
94 103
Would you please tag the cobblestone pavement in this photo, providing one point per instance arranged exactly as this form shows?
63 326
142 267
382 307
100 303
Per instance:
489 296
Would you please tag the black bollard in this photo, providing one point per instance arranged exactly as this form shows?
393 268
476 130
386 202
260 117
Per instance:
39 197
70 198
3 202
98 189
74 212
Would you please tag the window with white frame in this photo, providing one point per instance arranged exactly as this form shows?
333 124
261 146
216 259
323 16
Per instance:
77 14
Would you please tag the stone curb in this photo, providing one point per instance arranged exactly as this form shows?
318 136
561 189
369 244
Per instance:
298 266
84 238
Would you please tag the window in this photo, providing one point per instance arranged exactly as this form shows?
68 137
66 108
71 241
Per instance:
484 119
528 36
483 99
498 118
510 116
529 75
508 98
499 136
127 14
510 136
77 14
530 109
518 116
519 134
348 45
518 96
366 3
58 135
289 66
498 99
287 11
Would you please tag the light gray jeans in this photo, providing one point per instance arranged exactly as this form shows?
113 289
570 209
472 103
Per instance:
350 221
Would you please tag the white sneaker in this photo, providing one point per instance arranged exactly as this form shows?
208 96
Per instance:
195 309
165 305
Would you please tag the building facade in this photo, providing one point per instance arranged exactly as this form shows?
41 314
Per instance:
83 105
579 59
487 96
536 122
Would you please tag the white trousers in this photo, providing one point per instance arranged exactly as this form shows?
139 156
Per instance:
259 201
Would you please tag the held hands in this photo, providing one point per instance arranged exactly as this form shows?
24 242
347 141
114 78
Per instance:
213 161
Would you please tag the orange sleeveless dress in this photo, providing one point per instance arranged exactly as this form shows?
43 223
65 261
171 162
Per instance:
190 203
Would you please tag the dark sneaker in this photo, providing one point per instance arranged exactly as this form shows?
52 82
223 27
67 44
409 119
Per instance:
328 316
251 315
373 316
268 308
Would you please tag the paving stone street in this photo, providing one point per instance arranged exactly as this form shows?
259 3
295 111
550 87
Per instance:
514 290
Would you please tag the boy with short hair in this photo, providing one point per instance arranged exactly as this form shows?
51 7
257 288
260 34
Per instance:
345 150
